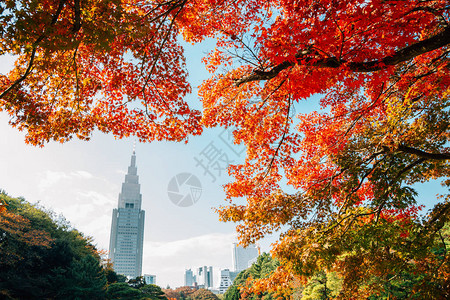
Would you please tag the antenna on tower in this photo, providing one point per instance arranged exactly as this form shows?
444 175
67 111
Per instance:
134 147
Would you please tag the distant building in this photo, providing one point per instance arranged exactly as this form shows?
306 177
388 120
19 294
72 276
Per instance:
127 227
226 280
204 277
244 257
252 261
189 278
150 279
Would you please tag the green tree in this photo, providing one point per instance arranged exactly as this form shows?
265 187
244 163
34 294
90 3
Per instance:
18 234
153 292
137 282
264 266
232 293
122 291
322 286
112 276
65 266
87 280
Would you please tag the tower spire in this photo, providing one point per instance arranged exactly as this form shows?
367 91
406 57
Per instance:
127 227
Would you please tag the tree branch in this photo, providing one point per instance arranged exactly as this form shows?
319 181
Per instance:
435 42
77 12
423 154
33 52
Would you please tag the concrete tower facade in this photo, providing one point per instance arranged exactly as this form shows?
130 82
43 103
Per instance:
204 277
244 257
189 278
127 227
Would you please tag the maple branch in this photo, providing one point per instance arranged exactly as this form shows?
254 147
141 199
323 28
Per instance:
399 174
445 251
266 75
339 222
166 37
435 42
271 93
77 80
34 49
361 181
434 12
172 5
269 167
423 154
24 76
409 167
438 212
77 12
161 97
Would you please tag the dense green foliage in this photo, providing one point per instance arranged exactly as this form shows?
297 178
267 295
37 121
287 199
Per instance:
44 258
152 291
262 268
125 291
322 286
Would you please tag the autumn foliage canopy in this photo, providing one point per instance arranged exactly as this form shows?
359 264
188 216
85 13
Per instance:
338 182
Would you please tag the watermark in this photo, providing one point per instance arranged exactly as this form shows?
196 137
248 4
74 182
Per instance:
214 159
184 189
226 136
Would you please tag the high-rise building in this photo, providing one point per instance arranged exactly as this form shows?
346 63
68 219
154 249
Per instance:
243 257
127 228
204 277
226 280
189 278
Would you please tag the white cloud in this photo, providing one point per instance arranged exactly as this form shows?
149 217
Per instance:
82 174
84 199
97 198
6 63
169 260
50 178
121 172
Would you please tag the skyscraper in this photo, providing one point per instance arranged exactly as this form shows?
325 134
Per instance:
244 257
127 227
204 277
189 278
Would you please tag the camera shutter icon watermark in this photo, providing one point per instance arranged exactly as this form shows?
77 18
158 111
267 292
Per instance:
184 189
